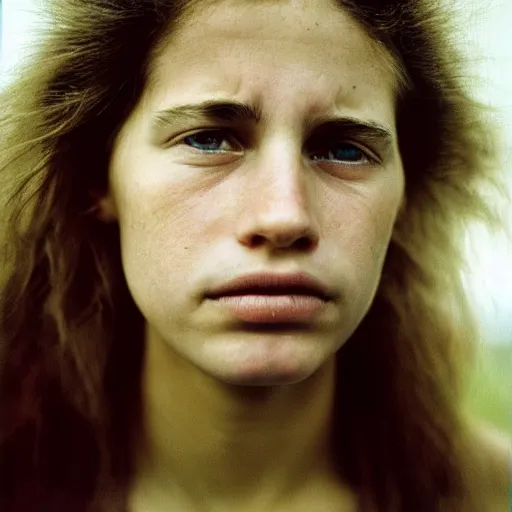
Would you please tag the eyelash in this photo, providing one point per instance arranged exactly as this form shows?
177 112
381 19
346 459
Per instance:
326 145
218 133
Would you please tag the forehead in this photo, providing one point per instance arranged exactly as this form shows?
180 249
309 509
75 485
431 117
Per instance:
264 17
236 48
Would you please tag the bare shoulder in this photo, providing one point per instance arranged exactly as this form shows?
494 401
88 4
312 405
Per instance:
493 471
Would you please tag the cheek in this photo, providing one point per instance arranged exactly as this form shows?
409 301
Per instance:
162 235
382 219
360 234
364 221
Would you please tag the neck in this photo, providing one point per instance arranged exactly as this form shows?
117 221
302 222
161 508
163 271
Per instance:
208 442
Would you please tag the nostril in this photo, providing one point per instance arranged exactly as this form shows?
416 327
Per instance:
304 243
257 240
282 241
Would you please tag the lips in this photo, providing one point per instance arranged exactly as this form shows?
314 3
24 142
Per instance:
272 284
272 298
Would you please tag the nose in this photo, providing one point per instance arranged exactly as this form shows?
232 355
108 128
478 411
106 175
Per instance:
278 209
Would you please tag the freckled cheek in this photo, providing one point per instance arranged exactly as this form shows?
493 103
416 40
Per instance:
383 217
163 232
364 226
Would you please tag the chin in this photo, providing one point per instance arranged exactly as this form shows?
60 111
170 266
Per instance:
273 368
268 378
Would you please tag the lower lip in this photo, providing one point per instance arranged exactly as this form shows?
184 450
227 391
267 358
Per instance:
273 308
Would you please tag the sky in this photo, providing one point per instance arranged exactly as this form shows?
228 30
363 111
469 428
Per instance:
487 43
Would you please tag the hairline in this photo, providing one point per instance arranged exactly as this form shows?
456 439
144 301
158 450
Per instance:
390 58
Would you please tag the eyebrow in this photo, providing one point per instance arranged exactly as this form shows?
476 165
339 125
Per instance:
224 111
350 126
210 110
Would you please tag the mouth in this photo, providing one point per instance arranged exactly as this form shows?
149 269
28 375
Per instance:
272 299
269 291
272 285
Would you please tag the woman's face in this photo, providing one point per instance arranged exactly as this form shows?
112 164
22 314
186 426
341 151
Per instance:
264 143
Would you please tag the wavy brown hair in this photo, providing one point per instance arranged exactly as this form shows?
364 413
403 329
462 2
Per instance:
68 392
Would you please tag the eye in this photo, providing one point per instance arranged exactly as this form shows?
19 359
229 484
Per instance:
212 141
344 152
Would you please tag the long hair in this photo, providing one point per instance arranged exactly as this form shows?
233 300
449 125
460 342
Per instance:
68 379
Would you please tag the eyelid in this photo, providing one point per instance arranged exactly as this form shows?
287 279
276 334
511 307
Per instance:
369 140
227 133
372 156
236 139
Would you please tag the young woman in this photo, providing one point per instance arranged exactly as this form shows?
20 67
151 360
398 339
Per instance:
233 252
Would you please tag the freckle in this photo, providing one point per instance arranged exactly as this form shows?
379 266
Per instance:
354 87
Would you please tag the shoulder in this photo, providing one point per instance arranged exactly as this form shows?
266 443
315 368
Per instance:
492 469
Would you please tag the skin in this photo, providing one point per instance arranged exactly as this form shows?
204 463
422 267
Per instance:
235 417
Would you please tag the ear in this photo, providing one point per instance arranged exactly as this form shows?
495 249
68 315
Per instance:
105 209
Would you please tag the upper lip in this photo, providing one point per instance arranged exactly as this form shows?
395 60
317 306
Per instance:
272 283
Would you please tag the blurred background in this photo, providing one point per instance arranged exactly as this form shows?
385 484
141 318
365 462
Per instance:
486 40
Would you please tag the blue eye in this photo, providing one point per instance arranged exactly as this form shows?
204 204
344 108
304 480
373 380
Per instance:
210 141
344 152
